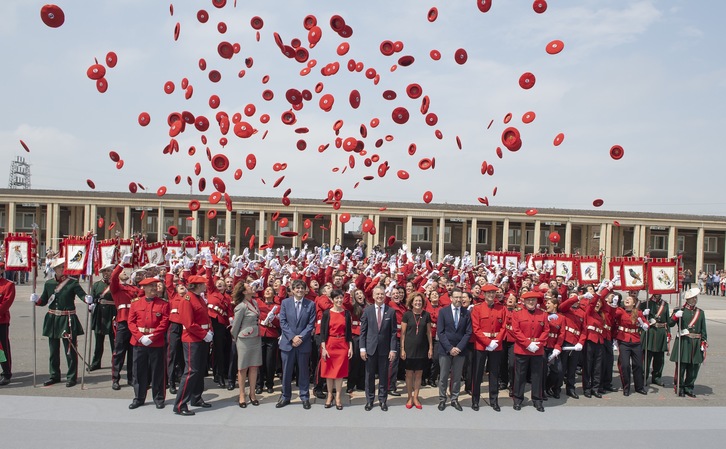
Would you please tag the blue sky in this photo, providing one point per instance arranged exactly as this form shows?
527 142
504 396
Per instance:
642 74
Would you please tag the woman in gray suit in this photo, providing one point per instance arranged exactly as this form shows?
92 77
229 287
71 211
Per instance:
246 335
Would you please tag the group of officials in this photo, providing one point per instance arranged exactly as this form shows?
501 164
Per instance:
453 322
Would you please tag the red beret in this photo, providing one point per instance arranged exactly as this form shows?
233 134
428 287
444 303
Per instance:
196 280
490 288
149 281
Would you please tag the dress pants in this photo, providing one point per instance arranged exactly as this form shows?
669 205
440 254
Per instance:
122 350
356 369
149 368
220 350
301 360
657 359
99 340
631 359
607 365
469 366
432 372
481 360
570 360
192 381
393 374
506 366
317 380
266 376
450 366
71 358
7 366
688 375
553 371
174 353
377 364
531 366
592 367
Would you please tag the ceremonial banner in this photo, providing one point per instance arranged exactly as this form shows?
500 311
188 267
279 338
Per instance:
190 247
106 252
632 274
126 247
588 269
662 277
174 249
154 253
77 250
564 266
19 250
206 246
509 260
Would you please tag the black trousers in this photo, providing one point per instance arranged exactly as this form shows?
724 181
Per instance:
433 371
220 350
7 366
316 379
122 350
570 360
192 381
630 361
232 373
356 368
607 364
266 377
99 339
657 359
174 353
553 371
469 366
482 361
506 368
393 375
592 367
377 364
149 368
531 366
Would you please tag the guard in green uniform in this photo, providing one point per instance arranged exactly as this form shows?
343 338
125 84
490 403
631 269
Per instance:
102 315
655 339
691 343
61 321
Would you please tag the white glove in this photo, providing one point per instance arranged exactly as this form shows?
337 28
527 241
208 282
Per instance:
209 337
145 340
351 287
611 285
616 279
293 252
189 264
269 255
578 347
89 299
552 316
556 352
167 256
588 295
208 259
126 259
36 299
533 347
91 307
643 325
493 345
616 347
678 313
646 312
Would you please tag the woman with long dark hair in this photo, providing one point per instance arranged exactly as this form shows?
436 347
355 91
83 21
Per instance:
246 335
417 347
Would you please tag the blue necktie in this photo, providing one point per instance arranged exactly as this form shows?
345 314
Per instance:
297 310
456 317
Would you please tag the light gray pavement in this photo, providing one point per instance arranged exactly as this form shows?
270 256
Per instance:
63 417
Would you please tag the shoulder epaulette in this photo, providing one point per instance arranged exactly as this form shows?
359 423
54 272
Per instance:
186 297
135 299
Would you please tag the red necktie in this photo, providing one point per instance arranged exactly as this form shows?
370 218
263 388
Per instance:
380 316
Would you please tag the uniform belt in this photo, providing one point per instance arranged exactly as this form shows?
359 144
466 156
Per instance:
571 330
203 326
65 312
606 327
551 335
174 311
689 334
509 327
355 323
123 306
318 322
490 334
627 330
217 309
660 325
106 302
398 326
147 329
596 329
336 336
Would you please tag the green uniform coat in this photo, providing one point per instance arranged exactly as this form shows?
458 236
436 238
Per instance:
103 314
686 349
656 337
55 326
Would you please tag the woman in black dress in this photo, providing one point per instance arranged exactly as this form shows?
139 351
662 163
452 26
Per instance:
416 345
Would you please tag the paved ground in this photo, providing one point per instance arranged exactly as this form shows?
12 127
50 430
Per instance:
38 417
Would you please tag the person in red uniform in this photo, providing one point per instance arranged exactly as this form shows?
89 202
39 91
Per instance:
218 310
628 321
488 328
269 333
594 346
574 338
336 347
196 336
7 296
433 307
608 354
148 322
506 366
174 353
122 294
553 346
397 303
530 329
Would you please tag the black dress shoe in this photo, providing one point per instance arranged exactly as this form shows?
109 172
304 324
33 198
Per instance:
258 390
641 391
306 404
597 394
94 368
135 404
681 395
319 394
270 390
50 382
456 405
281 403
201 404
4 380
115 386
572 394
475 406
394 393
495 406
539 407
689 394
587 394
369 406
71 383
384 407
160 406
255 402
610 389
626 392
184 412
517 407
230 386
442 405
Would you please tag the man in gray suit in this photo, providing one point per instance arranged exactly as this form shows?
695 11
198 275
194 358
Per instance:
377 338
297 321
453 329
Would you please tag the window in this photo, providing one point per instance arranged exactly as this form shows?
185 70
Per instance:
596 235
151 221
421 233
681 243
276 229
710 245
482 236
659 242
515 236
26 220
709 267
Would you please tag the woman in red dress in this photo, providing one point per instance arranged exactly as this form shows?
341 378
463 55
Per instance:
336 347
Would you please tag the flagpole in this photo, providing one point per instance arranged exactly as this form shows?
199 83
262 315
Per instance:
89 272
34 270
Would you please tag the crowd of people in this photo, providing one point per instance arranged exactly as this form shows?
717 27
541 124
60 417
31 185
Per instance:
335 321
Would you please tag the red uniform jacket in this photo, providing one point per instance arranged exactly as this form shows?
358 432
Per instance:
7 296
434 312
194 317
148 317
122 295
594 326
273 330
625 329
529 327
487 324
574 321
556 335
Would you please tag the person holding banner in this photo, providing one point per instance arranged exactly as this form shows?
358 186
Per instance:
61 321
656 337
7 296
691 343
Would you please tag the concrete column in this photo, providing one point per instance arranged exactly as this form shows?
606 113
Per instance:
11 217
86 218
643 240
228 227
585 239
48 226
505 235
537 232
522 238
434 240
339 228
93 223
296 228
127 222
474 238
56 227
205 227
160 231
237 233
409 224
672 242
368 236
333 230
493 245
636 241
464 230
699 249
195 224
260 232
609 241
603 238
375 238
442 229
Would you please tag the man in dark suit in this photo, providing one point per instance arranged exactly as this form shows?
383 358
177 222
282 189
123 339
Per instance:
297 321
453 329
377 341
